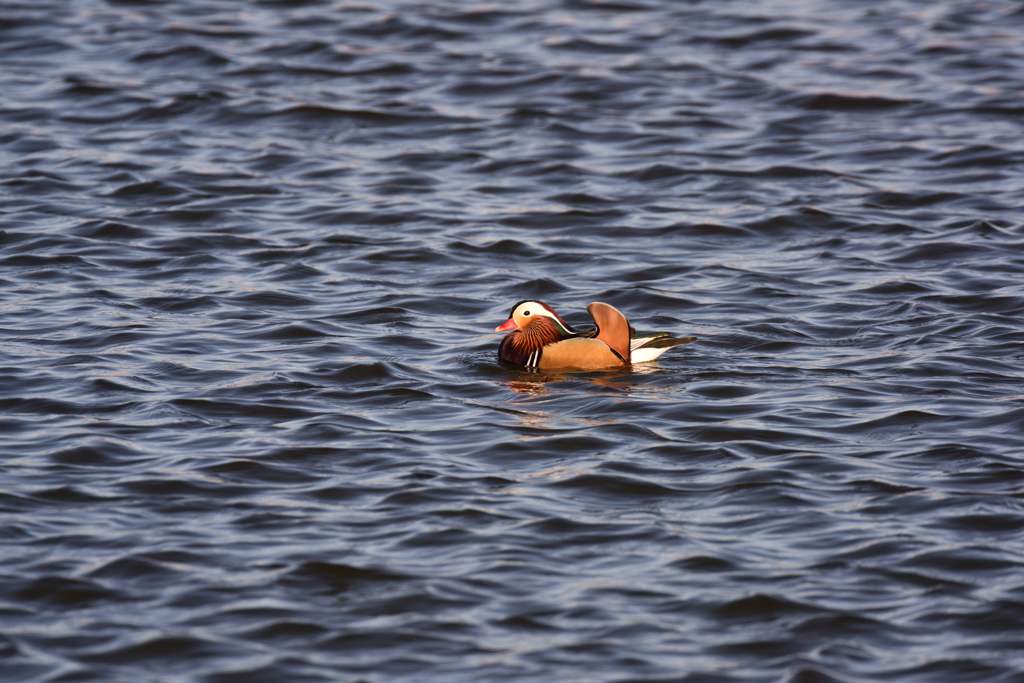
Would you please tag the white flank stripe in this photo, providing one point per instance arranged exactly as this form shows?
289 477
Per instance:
644 355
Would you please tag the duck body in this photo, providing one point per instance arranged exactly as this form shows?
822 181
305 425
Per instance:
540 339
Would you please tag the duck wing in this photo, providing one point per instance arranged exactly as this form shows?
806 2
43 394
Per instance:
645 347
612 328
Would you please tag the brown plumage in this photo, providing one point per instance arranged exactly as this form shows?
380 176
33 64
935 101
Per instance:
612 328
519 345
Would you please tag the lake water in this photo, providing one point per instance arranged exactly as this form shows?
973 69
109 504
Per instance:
252 420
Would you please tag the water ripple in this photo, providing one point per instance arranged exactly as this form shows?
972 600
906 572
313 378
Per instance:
255 429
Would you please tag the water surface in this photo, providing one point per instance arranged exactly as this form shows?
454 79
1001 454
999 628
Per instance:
253 424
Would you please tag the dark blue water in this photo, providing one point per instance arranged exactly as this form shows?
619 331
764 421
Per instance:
253 426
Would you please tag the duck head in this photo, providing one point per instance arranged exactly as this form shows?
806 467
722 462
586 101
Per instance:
527 315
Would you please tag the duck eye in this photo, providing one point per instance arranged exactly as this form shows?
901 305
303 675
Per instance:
526 313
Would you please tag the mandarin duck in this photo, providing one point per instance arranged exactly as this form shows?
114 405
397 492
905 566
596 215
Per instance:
540 339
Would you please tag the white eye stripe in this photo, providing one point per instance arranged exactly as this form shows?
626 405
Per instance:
533 309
